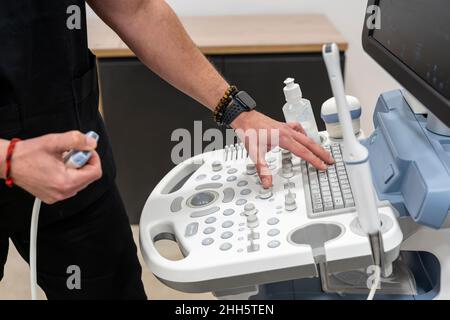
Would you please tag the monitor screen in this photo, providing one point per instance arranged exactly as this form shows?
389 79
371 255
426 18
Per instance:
413 44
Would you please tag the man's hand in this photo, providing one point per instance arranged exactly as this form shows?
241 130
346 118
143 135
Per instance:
37 166
288 136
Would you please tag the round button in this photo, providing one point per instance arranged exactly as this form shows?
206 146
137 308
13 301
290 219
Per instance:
202 199
216 166
227 224
265 193
232 171
251 169
241 202
216 177
246 192
226 235
231 178
209 230
228 212
249 207
242 183
226 246
273 221
208 241
273 232
273 244
200 177
210 220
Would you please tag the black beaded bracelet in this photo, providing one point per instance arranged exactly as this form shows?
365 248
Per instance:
223 104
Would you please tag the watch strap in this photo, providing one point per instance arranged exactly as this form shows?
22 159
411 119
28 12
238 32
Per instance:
233 110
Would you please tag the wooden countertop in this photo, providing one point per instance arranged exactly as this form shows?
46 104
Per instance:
301 33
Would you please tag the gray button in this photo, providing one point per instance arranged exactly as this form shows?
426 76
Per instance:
241 202
251 169
273 221
209 230
228 212
228 195
202 199
208 241
232 171
191 229
216 177
227 224
216 166
209 186
246 192
231 178
176 204
265 193
200 177
249 207
226 235
226 246
273 244
273 232
290 185
206 212
253 248
242 183
210 220
271 159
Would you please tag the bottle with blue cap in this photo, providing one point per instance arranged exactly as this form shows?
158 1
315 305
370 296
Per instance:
299 110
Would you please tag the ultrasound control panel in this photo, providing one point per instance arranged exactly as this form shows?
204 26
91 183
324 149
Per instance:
234 233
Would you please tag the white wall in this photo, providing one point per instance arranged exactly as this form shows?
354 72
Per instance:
364 78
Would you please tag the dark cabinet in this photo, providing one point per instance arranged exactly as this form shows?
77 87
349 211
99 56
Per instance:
142 111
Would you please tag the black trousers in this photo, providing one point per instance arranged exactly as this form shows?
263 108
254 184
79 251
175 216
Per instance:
90 255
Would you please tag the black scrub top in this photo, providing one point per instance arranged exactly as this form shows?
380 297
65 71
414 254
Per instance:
48 84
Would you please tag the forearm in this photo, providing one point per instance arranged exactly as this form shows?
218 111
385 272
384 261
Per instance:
3 149
154 33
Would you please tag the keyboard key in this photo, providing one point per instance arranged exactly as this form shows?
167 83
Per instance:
338 203
349 203
328 206
317 208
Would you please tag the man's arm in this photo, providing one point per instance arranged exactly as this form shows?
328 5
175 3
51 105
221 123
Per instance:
154 33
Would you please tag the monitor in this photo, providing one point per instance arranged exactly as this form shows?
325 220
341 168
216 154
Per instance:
410 39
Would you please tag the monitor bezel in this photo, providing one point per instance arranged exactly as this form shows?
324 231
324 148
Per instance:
411 81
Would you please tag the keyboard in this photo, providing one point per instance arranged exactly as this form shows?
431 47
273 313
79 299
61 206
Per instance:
328 192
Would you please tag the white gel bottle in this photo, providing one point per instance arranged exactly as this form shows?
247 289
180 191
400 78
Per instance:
297 109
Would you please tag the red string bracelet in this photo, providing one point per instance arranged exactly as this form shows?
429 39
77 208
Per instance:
9 181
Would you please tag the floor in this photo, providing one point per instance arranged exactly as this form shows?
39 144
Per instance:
15 284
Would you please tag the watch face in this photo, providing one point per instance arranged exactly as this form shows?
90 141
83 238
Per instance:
245 100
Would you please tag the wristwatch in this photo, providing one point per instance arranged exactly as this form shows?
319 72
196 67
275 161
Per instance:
241 102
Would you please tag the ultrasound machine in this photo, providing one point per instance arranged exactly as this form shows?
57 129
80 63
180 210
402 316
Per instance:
305 238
